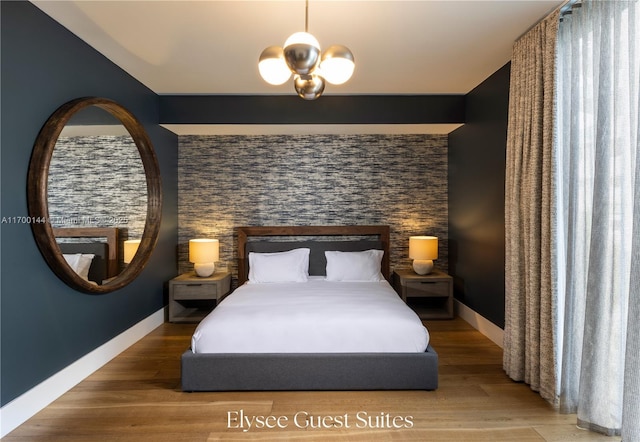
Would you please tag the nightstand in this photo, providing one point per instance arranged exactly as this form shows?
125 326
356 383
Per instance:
192 297
430 296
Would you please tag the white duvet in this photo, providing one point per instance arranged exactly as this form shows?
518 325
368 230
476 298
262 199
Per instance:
317 316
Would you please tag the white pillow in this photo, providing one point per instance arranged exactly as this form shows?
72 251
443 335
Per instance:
80 263
72 260
290 266
84 263
354 266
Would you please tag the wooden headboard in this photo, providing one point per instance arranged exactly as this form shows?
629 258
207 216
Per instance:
109 233
381 234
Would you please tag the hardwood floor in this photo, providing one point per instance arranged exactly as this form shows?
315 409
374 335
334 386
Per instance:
137 397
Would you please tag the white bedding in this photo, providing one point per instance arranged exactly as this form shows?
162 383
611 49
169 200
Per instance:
316 316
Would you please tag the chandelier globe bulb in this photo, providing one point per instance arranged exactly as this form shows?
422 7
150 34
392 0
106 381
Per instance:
309 87
272 66
337 64
302 53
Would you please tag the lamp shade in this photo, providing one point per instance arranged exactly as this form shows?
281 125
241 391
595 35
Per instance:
423 247
204 250
130 249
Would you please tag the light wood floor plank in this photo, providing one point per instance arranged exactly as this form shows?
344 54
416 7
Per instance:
137 397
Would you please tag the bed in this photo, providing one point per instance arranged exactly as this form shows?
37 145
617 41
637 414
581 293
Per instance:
308 363
91 251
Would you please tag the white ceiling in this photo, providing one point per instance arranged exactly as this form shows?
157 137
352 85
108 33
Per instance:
212 47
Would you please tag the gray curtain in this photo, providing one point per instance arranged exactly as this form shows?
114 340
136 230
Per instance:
530 304
598 221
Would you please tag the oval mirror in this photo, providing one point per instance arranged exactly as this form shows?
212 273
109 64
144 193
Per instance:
110 233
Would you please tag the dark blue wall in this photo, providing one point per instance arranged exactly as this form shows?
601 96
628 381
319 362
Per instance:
332 109
46 325
476 198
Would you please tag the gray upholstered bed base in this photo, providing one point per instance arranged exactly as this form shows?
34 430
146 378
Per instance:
335 371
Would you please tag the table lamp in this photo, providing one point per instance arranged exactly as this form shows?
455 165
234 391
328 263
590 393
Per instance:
130 249
423 250
203 253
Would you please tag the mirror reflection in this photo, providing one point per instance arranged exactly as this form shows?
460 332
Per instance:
96 180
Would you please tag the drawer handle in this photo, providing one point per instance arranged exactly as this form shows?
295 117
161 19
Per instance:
194 285
428 282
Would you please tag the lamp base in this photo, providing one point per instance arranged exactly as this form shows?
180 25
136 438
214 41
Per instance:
204 269
422 266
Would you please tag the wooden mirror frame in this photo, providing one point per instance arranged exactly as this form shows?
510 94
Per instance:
37 196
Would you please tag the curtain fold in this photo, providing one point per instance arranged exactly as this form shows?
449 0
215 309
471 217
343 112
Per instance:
631 405
530 305
597 162
572 215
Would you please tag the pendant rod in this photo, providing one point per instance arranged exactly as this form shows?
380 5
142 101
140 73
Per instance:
306 16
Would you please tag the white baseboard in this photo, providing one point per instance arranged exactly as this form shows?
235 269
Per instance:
28 404
480 323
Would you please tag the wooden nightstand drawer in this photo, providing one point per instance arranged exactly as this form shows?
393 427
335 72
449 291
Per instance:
195 291
427 288
192 297
430 296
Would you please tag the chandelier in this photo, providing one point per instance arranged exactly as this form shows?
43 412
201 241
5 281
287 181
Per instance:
301 56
